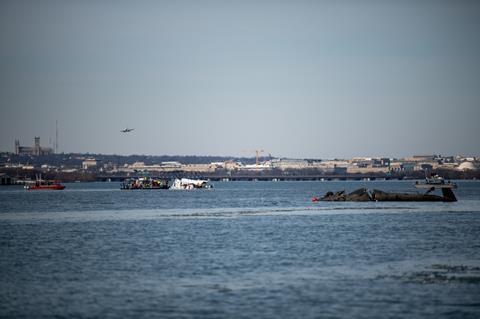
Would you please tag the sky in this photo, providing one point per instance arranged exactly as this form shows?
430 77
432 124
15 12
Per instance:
301 79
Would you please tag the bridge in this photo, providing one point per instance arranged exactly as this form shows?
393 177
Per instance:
249 177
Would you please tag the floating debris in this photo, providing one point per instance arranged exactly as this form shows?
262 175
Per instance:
365 195
440 274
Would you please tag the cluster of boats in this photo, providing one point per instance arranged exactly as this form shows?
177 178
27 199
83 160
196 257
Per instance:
129 184
154 183
360 195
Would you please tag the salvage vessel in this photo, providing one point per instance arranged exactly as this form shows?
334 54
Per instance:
144 183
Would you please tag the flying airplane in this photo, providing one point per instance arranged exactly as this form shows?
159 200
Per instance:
126 130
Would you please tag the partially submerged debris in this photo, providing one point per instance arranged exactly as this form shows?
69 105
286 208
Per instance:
364 195
359 195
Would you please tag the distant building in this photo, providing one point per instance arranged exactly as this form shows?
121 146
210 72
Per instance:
6 179
35 150
423 167
89 163
339 169
408 166
420 158
395 166
287 163
232 165
467 166
171 164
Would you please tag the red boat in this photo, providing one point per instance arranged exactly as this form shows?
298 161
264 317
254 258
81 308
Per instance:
45 185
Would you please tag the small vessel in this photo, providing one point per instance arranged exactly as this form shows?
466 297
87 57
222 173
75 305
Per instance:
144 183
186 183
40 184
436 181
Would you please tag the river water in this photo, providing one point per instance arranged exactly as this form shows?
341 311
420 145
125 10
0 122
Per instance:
239 250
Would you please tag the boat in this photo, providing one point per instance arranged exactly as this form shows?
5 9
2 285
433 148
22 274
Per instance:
435 181
40 184
186 183
144 183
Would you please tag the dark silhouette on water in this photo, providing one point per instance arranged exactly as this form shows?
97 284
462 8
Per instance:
365 195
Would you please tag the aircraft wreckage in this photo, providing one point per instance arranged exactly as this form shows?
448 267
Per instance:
365 195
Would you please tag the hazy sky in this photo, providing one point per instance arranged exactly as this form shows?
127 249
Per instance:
300 79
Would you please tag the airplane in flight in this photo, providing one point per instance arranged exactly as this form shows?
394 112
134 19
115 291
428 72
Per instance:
126 130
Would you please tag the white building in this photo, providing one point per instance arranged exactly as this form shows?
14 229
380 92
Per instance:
89 163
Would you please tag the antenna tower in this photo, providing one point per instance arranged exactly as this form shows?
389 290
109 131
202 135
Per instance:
56 136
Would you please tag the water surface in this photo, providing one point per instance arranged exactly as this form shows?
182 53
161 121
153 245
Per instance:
241 250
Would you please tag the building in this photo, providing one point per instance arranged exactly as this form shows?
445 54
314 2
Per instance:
35 150
287 163
467 166
423 167
89 163
6 179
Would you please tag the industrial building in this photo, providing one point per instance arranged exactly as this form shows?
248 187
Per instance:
36 149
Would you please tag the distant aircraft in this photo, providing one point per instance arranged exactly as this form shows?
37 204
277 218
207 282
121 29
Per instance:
126 130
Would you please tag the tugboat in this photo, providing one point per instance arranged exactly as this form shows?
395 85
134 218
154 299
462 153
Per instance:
41 184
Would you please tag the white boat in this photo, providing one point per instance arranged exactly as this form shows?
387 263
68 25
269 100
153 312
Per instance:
186 183
435 181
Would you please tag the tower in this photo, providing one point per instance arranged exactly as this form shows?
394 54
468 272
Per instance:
36 147
17 147
56 137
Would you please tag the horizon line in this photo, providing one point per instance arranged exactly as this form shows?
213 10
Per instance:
250 157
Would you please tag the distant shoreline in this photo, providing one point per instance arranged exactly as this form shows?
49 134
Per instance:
288 175
95 167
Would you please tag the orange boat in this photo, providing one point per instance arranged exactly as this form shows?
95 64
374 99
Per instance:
45 185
